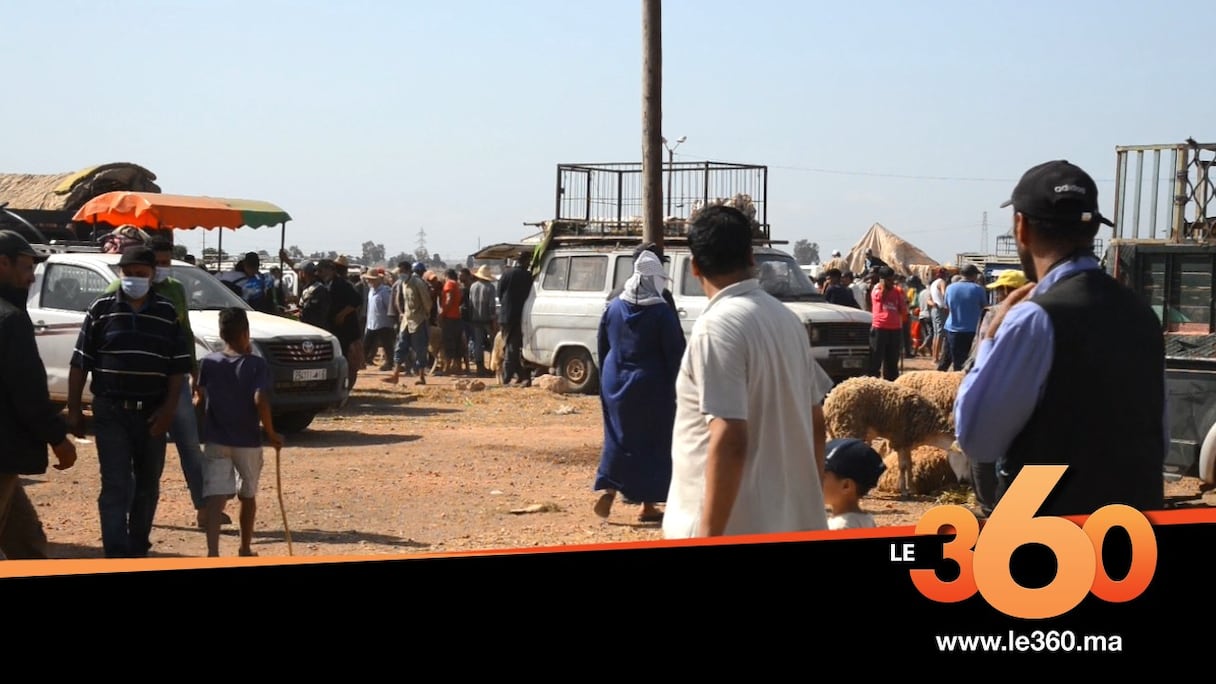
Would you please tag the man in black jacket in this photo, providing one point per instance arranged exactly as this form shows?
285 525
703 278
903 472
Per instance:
28 420
513 289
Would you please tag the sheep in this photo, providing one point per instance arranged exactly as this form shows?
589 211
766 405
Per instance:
931 470
940 387
867 408
498 352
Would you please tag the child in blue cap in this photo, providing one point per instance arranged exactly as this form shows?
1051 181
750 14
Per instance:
851 470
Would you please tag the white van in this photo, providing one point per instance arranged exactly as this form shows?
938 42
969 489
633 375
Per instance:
570 292
306 364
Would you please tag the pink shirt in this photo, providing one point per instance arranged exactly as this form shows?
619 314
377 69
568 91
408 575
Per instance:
889 310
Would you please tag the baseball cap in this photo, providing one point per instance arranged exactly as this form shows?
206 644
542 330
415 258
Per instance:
138 254
1010 279
12 245
252 258
308 267
970 270
855 460
419 267
1058 191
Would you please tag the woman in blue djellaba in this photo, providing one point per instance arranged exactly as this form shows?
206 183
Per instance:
641 345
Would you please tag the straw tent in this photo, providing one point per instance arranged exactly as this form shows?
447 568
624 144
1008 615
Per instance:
67 192
901 255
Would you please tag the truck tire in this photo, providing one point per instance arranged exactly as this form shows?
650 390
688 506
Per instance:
579 371
296 421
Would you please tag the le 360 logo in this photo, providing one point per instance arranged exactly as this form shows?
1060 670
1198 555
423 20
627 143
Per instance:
984 560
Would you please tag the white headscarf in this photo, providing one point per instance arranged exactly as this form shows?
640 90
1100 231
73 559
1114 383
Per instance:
645 286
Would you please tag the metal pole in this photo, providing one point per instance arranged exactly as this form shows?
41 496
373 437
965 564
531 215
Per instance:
1139 188
652 122
671 166
1156 192
1179 216
1119 191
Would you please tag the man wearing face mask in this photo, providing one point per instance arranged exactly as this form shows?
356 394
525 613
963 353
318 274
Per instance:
136 349
184 430
28 420
1074 360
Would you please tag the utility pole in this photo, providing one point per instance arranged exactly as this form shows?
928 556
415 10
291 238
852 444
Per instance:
652 122
984 235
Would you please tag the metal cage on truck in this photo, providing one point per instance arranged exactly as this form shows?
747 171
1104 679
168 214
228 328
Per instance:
1164 247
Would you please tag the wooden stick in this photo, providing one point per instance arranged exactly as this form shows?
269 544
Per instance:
278 478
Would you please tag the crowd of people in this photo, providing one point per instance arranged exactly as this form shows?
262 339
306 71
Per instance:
724 428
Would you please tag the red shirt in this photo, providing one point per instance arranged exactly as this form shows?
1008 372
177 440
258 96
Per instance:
451 300
888 310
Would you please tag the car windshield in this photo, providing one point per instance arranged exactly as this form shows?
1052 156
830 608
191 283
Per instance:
204 292
781 276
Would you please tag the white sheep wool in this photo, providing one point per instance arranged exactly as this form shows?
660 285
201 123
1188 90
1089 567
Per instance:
747 358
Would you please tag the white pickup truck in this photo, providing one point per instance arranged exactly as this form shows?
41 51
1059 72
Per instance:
307 367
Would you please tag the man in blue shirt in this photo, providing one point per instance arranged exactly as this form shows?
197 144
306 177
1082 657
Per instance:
1072 369
965 301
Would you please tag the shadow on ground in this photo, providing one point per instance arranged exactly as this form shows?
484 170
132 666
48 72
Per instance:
82 551
325 437
315 536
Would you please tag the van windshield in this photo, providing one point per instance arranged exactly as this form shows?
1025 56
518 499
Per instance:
781 276
204 292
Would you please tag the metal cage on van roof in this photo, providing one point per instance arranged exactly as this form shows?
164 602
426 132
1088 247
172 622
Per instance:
605 200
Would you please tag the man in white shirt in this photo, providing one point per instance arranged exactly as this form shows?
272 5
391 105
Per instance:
748 443
937 303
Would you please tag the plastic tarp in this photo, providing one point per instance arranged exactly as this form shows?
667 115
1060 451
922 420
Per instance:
907 259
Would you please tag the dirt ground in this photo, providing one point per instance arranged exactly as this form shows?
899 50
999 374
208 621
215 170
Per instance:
407 469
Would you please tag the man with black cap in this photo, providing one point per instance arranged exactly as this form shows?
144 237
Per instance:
28 420
657 251
138 354
1073 362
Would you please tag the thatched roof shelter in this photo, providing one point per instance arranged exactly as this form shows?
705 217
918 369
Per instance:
69 191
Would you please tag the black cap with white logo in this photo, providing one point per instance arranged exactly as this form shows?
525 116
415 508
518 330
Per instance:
1058 191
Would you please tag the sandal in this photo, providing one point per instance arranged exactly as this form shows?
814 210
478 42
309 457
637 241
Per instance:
603 505
653 517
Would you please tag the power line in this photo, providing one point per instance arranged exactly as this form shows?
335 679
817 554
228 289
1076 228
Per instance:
872 174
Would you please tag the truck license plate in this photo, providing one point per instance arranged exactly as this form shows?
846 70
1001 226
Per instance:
307 374
848 363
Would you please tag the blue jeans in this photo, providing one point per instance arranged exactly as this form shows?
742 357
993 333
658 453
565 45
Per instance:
480 334
184 433
132 462
418 341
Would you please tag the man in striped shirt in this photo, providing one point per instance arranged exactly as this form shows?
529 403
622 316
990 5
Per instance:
134 346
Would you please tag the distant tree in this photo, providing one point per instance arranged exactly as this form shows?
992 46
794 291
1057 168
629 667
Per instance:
372 253
806 252
295 253
422 255
402 257
180 252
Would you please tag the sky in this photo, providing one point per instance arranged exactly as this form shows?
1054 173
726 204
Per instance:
375 120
